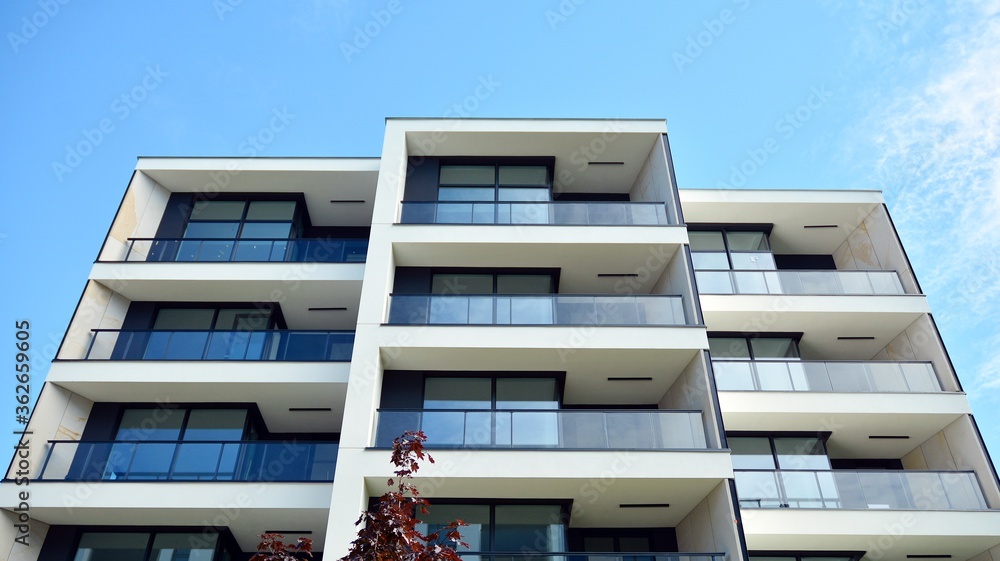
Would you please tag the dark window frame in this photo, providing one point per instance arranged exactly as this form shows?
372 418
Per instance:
276 319
225 543
251 425
559 377
724 229
547 162
822 436
553 275
565 509
795 337
299 221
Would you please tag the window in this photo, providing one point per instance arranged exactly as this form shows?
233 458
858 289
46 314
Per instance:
493 194
478 183
502 527
227 319
726 249
214 228
519 309
483 411
474 410
150 546
779 452
146 443
775 366
208 333
753 348
501 283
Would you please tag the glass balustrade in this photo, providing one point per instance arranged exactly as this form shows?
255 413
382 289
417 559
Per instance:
298 250
849 489
189 461
540 309
799 282
563 429
825 376
538 213
279 345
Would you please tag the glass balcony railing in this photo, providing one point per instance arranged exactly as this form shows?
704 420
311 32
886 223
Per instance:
799 282
848 489
539 213
189 461
535 309
825 376
589 556
299 250
566 429
184 344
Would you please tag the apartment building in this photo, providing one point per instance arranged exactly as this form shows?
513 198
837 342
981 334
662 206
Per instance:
607 368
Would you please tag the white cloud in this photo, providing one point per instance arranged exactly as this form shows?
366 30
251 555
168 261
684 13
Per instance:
938 142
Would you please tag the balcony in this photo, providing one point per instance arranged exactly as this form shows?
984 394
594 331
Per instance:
246 250
848 489
548 430
284 461
536 309
811 283
271 345
537 213
825 376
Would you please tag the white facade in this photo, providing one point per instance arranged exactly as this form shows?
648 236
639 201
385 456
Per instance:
650 443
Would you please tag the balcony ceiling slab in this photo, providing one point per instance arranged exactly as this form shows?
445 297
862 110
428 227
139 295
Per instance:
580 252
886 535
851 417
573 144
321 180
247 509
274 386
821 319
597 483
588 355
296 286
789 211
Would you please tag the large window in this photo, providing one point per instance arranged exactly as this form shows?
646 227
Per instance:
227 319
476 183
728 249
778 452
147 448
488 283
150 546
493 194
521 309
477 400
188 333
753 348
502 527
227 221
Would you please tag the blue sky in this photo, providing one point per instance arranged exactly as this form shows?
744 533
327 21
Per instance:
902 96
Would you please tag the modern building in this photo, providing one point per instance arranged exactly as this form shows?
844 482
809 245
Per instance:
606 367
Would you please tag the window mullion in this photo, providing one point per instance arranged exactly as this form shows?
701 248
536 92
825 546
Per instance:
149 546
